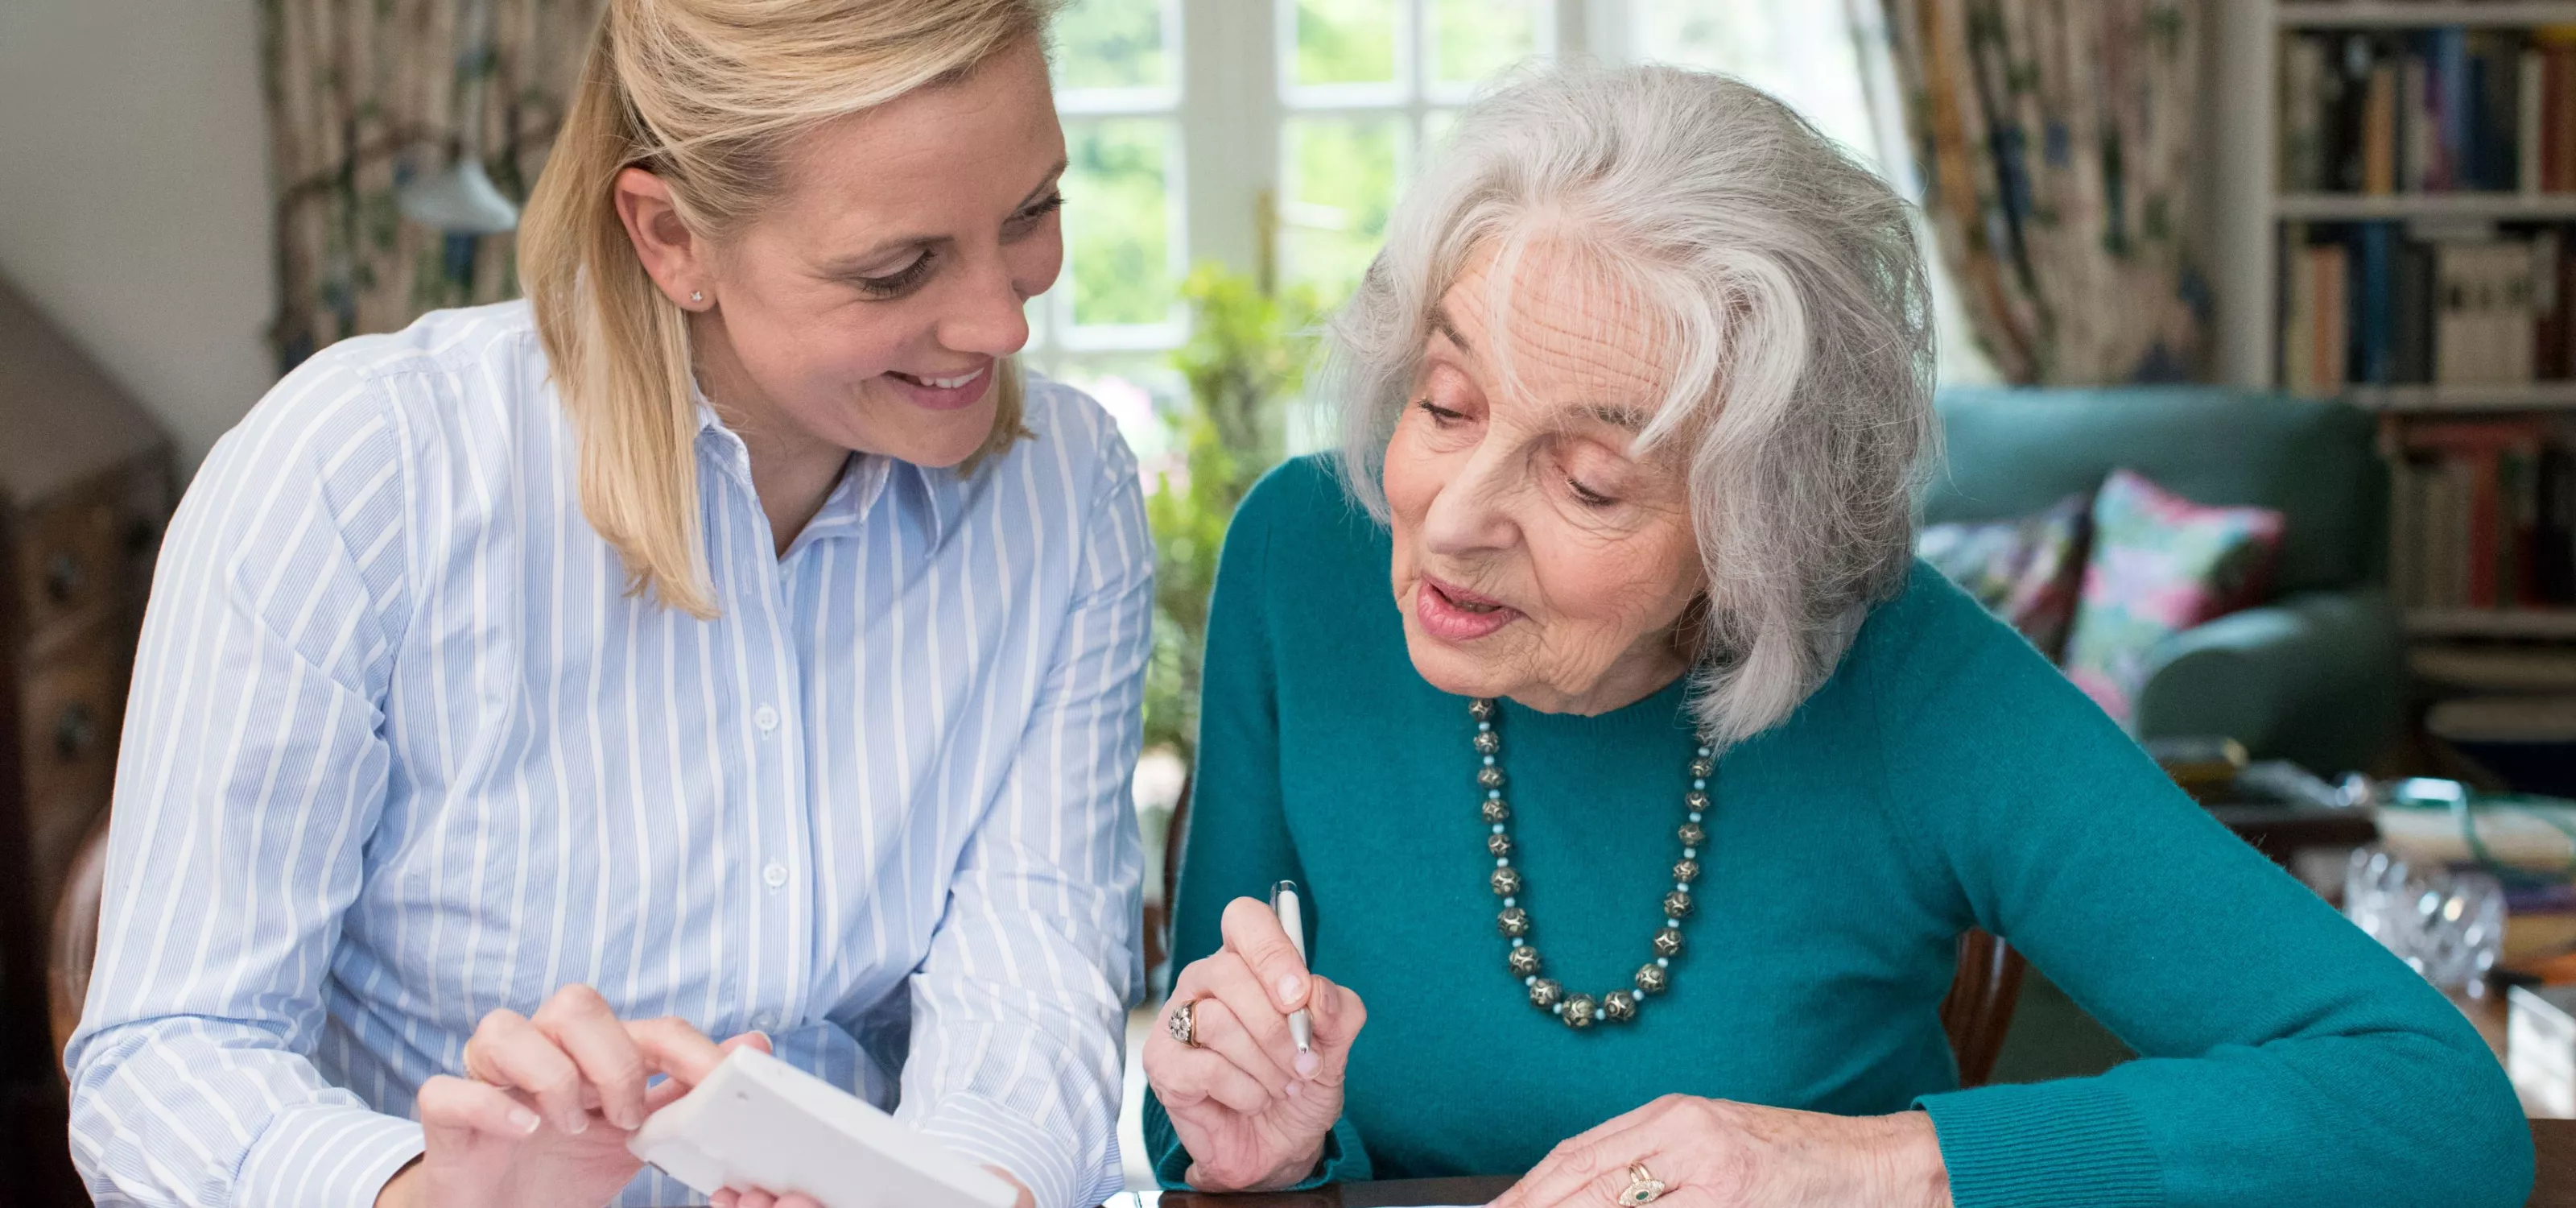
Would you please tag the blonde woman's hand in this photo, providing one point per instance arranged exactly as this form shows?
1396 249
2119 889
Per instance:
1712 1153
1252 1110
544 1113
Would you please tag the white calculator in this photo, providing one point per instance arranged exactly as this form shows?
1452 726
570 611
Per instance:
758 1122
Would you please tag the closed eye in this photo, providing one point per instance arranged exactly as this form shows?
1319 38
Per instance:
1031 213
1440 415
901 280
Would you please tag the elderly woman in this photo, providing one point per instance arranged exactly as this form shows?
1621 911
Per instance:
1644 812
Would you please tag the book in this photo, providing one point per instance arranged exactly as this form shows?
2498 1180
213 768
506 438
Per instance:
2379 130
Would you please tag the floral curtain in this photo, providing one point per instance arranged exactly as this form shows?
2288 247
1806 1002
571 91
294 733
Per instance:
2055 142
364 95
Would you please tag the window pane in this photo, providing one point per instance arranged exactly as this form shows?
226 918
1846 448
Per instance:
1797 50
1111 44
1472 39
1345 41
1137 389
1117 220
1435 131
1341 178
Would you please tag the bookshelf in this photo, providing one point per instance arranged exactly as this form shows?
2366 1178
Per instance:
2550 623
2495 207
2422 400
2375 159
2412 14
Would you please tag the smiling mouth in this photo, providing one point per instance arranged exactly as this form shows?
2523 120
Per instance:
1463 599
941 383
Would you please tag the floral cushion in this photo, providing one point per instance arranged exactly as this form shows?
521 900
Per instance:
2160 564
2028 571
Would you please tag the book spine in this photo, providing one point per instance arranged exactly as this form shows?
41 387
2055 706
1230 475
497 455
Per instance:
2378 304
2453 330
2451 106
2334 317
2412 355
2562 117
2379 132
2527 79
2547 337
2298 312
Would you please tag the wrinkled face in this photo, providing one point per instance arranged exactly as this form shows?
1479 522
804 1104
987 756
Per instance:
872 303
1536 556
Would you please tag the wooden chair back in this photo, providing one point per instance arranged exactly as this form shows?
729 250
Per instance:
1976 1013
72 943
1979 1008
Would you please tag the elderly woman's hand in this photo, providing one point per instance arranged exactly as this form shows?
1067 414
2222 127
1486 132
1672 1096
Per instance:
1710 1153
1251 1109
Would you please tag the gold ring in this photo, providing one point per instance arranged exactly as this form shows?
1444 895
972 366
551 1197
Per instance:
1182 1023
1643 1187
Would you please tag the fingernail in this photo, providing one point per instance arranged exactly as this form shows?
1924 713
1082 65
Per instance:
765 1041
1292 1089
1307 1064
629 1118
524 1120
576 1123
1290 987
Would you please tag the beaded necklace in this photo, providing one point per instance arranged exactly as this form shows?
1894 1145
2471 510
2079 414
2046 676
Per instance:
1580 1011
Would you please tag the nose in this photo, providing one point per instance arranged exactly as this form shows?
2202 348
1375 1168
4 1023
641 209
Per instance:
1469 514
986 315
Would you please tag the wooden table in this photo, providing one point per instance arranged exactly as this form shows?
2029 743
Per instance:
2553 1140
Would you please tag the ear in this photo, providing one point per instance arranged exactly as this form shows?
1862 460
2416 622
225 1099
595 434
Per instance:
673 255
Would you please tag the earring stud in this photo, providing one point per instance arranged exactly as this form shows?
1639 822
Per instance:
697 296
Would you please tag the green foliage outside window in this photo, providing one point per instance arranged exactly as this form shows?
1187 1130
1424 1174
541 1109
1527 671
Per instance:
1246 358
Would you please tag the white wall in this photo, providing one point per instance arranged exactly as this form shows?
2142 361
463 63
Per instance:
134 196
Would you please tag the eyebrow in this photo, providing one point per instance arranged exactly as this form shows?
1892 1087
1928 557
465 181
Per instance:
1441 324
1626 419
850 265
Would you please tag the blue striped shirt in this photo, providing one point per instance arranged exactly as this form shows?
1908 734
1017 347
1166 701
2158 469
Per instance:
402 751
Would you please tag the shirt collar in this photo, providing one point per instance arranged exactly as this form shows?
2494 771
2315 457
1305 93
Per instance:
925 491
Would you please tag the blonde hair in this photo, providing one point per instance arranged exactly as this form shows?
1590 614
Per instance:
710 96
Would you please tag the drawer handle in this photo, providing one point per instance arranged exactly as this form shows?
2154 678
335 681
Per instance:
75 732
62 577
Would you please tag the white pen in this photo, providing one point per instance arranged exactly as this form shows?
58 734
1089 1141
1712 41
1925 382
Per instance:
1283 902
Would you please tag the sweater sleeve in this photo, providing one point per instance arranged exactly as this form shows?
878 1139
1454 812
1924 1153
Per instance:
1238 841
2284 1057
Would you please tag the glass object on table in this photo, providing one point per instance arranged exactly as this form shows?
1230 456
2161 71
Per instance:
2446 924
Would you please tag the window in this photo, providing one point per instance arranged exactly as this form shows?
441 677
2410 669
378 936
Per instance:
1274 136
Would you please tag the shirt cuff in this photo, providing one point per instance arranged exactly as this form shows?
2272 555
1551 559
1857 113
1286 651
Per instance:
326 1155
2074 1141
986 1133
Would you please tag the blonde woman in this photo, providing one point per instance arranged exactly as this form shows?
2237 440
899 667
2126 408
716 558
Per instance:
726 642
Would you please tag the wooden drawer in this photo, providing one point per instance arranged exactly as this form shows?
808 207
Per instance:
70 708
77 553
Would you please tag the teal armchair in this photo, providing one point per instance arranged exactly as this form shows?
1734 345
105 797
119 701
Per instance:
2317 674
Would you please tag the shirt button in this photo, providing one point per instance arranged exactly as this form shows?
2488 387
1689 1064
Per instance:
765 1021
775 875
766 718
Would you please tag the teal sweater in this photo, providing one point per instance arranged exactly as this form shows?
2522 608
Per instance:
1945 777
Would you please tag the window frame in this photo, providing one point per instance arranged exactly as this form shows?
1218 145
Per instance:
1229 110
